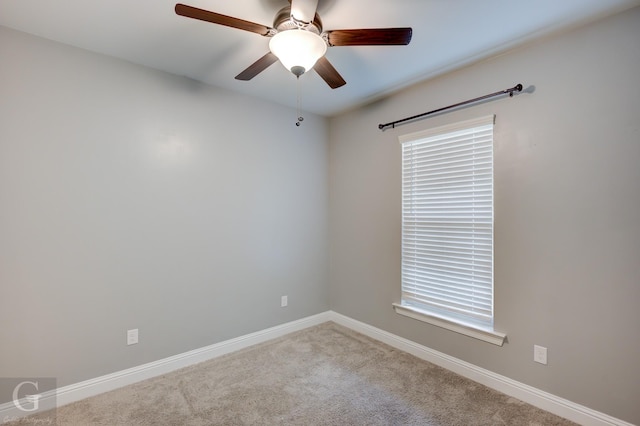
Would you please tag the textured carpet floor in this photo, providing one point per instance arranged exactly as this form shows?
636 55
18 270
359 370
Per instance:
324 375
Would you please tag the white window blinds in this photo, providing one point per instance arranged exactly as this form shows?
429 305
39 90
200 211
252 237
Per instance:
447 221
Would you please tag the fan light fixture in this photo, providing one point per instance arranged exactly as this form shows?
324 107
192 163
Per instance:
297 49
298 39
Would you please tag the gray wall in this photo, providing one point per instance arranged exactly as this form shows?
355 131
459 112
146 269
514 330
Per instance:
131 198
567 222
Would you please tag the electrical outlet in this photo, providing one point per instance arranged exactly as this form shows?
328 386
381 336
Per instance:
132 336
284 301
540 354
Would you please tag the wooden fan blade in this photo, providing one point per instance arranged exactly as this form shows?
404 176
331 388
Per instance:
216 18
369 37
328 73
257 67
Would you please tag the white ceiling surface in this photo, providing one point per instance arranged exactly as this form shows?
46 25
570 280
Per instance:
446 34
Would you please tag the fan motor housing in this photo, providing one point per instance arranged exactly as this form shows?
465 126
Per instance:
284 22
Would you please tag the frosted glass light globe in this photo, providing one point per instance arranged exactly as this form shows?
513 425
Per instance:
298 50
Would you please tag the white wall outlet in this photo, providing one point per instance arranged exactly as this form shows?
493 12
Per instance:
132 336
540 354
284 301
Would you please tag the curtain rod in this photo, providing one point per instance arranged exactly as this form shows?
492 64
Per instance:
516 88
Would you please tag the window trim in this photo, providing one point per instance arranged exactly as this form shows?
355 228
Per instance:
481 331
487 334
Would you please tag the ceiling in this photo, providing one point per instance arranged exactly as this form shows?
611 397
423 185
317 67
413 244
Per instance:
446 34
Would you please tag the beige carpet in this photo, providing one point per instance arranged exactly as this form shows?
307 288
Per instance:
324 375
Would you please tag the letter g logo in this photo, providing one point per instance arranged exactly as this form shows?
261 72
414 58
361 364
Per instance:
33 399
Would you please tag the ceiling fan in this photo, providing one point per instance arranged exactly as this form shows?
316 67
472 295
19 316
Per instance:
298 39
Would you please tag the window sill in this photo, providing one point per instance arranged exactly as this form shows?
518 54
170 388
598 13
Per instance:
482 333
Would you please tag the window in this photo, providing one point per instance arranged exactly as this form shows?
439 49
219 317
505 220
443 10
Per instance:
447 228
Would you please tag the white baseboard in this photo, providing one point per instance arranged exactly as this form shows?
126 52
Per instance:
546 401
68 394
536 397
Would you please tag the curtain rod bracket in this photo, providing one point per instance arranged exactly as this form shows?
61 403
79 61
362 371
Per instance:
518 88
510 91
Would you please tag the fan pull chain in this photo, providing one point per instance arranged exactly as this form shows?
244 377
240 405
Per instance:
300 117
